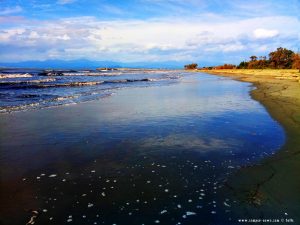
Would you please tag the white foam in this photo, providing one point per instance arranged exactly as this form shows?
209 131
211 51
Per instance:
16 75
164 211
188 213
226 204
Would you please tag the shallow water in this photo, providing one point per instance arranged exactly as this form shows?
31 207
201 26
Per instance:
147 155
32 89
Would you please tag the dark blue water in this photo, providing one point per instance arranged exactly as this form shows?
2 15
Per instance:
154 154
29 89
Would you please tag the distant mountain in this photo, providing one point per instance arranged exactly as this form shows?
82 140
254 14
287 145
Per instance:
87 64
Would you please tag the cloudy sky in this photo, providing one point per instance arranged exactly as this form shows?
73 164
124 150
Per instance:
203 31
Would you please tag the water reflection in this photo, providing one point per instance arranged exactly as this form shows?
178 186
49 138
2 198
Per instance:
156 155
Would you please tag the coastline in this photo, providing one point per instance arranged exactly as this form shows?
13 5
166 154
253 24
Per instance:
275 181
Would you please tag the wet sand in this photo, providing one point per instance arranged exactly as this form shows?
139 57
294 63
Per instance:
275 182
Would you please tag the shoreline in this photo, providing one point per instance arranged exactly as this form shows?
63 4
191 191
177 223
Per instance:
275 181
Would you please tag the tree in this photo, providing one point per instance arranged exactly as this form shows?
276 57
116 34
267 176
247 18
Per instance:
192 66
282 58
225 66
296 61
253 58
243 65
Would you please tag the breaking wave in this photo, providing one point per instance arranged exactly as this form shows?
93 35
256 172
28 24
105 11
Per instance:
21 90
72 84
3 83
17 75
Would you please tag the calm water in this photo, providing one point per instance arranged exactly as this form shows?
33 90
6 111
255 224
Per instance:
150 154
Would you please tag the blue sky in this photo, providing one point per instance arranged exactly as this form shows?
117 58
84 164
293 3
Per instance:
202 31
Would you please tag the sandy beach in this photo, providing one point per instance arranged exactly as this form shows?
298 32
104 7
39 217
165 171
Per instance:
275 181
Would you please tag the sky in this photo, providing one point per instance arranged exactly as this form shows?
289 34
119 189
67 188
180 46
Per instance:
207 32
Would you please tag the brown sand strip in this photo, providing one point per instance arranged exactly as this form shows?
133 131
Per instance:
276 181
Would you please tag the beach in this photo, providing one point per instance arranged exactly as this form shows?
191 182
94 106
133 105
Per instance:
275 180
149 112
157 153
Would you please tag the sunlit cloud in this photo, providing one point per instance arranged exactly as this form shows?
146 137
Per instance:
264 33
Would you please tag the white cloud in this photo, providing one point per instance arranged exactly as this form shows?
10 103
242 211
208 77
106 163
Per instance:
265 33
144 40
11 10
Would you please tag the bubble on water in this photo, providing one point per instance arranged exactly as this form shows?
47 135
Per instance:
164 211
226 204
188 213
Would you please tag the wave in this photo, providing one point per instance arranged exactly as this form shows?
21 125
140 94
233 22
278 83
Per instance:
16 75
29 96
2 83
53 102
93 74
63 98
79 84
6 109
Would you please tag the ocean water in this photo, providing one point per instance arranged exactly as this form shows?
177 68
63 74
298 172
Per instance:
22 89
154 152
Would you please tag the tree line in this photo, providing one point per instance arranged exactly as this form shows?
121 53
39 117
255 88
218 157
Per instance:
282 58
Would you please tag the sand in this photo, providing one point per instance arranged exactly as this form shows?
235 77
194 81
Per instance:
276 181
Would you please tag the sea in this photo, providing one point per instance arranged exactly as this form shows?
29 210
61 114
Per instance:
23 89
